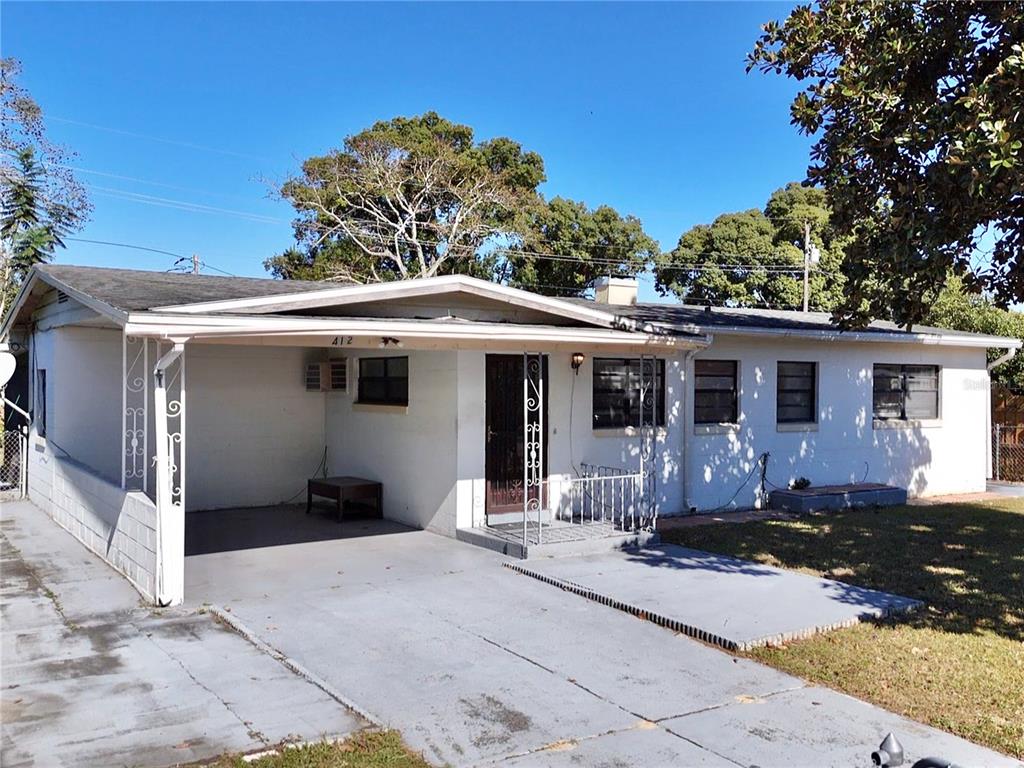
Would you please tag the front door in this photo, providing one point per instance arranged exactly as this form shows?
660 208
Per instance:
504 442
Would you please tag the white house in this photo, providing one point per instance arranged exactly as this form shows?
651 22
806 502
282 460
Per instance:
484 412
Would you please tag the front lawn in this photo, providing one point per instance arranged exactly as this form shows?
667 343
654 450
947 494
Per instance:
958 664
368 749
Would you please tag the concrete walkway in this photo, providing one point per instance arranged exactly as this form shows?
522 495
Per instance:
480 666
733 603
91 677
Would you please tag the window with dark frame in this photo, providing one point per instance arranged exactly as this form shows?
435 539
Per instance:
40 403
904 392
796 393
616 390
716 394
384 380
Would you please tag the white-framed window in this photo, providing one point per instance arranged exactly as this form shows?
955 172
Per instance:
715 391
617 383
796 392
384 380
905 392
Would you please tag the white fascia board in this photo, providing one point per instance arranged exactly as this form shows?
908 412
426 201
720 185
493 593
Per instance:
354 294
946 340
100 307
167 325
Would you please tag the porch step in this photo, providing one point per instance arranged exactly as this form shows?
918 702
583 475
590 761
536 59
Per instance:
560 545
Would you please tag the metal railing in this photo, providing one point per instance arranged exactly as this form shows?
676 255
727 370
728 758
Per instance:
13 468
602 495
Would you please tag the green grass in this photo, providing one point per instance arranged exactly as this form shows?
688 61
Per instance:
958 664
368 749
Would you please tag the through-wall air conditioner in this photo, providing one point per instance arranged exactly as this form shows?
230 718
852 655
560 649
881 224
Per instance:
331 376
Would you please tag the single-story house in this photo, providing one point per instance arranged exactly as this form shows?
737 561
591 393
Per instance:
478 408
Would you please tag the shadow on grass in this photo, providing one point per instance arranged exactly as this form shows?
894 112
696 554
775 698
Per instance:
964 561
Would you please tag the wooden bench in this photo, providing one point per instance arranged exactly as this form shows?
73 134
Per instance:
344 489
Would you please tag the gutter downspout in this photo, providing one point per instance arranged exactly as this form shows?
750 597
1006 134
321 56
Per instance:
1004 358
687 429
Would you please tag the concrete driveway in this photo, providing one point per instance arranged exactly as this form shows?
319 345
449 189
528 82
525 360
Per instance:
478 665
90 677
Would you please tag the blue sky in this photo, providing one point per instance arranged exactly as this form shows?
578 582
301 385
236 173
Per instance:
647 108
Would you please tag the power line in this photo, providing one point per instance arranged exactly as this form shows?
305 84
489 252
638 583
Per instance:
175 142
126 245
388 239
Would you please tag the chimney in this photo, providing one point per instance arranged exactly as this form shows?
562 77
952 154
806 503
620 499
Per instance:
615 290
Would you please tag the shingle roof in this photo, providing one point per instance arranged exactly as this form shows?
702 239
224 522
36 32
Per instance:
136 289
754 319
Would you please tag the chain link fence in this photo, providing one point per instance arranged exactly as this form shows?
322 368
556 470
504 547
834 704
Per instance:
13 444
1008 452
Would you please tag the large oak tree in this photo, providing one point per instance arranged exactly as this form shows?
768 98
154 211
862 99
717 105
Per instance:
419 196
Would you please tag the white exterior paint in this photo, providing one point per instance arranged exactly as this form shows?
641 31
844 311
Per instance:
944 456
254 434
411 451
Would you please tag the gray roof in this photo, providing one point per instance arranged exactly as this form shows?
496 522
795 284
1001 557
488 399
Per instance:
135 289
754 319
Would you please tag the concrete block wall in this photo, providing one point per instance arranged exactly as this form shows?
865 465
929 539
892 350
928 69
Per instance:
118 525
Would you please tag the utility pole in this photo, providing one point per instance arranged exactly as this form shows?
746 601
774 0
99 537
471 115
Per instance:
195 271
807 264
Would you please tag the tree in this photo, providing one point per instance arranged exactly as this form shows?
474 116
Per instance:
564 246
755 258
958 308
916 107
416 196
40 200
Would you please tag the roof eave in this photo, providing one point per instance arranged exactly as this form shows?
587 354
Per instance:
37 275
948 340
354 294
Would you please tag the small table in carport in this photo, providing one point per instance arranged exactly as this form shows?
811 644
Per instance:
343 489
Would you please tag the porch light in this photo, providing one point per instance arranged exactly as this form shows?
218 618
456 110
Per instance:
577 361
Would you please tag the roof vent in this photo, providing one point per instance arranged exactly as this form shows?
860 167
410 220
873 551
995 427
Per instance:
62 298
621 291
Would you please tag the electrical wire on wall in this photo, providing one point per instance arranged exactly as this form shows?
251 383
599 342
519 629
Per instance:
321 469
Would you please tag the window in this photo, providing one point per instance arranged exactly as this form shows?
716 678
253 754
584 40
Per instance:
40 403
715 392
796 395
906 391
384 380
617 383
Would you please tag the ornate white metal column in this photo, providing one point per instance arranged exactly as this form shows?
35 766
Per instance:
169 413
134 408
648 429
533 442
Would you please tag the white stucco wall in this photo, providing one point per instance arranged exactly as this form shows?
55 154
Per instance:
411 451
947 456
253 432
573 440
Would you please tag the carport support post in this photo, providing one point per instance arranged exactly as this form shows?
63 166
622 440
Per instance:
170 479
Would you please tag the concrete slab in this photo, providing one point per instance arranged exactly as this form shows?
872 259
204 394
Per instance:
835 729
91 677
477 665
646 744
722 600
835 497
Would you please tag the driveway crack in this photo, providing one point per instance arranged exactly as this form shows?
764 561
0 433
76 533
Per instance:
253 733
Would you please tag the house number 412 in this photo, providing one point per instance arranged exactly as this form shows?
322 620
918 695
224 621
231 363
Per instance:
341 341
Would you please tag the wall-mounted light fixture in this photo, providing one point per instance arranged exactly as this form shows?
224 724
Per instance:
577 361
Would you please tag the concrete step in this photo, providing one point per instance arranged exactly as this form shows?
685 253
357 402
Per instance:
560 547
